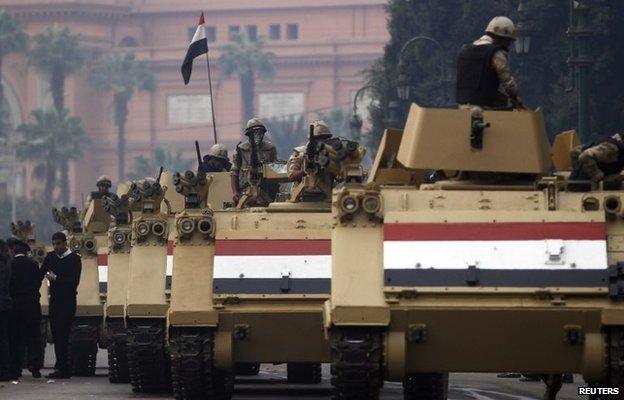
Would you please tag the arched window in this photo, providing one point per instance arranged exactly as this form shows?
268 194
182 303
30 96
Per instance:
128 41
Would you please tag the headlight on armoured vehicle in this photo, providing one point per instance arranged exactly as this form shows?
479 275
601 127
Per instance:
371 204
186 225
158 228
206 226
143 229
349 204
75 244
119 238
89 245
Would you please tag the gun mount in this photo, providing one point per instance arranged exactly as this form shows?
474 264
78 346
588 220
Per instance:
24 231
147 196
194 187
68 218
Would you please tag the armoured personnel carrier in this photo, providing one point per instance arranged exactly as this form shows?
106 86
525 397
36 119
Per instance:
146 304
25 231
87 232
269 271
499 268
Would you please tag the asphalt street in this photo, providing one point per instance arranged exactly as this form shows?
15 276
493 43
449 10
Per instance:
270 384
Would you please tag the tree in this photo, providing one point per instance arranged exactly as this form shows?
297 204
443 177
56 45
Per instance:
12 40
246 59
49 142
169 160
122 74
57 54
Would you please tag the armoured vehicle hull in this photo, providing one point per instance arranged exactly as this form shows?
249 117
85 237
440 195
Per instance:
499 273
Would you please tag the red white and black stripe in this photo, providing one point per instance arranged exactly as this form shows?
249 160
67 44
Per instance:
198 46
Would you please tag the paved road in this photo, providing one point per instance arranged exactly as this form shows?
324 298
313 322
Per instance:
270 385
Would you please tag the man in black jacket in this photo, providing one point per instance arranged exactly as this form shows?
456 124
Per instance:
62 268
25 317
5 308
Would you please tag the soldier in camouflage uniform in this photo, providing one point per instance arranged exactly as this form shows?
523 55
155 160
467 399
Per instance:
294 167
267 152
600 160
483 67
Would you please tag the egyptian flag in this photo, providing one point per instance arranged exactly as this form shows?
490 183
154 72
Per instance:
198 46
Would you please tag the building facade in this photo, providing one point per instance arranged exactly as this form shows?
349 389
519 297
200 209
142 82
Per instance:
321 49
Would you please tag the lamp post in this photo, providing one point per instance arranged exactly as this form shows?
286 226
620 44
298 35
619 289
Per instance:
580 61
404 85
356 122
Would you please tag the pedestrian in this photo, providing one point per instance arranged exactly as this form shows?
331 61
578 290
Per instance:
62 268
25 317
5 308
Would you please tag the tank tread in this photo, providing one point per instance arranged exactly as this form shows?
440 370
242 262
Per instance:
356 363
83 347
303 373
429 386
149 365
193 374
616 357
118 352
247 369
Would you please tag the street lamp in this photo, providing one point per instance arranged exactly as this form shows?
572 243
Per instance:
523 41
356 122
404 84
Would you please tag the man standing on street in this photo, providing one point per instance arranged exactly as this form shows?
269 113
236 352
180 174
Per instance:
5 308
25 317
62 268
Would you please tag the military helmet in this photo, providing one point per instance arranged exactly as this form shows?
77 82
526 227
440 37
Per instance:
619 136
104 181
502 27
320 129
255 122
219 151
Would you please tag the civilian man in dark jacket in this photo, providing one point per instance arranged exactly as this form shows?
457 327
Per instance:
24 331
62 268
5 308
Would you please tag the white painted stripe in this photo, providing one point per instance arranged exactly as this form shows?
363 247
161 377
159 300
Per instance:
169 265
200 34
506 254
103 273
272 266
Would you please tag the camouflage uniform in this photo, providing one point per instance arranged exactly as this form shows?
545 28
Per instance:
295 161
591 160
267 152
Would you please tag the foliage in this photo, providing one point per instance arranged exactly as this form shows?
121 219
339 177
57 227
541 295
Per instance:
542 73
122 74
37 211
49 142
246 59
12 40
166 158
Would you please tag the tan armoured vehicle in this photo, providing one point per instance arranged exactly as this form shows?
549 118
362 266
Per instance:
118 263
25 231
87 232
146 303
499 268
251 288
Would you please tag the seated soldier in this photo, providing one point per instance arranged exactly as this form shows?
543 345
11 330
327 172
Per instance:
600 160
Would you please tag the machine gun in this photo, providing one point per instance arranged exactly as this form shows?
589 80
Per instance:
327 161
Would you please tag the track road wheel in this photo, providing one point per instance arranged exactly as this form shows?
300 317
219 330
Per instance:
615 363
304 373
425 387
356 363
192 369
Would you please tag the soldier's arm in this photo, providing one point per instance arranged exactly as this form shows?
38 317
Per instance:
294 167
500 63
602 153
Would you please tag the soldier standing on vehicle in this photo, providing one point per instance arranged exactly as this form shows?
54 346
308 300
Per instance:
216 160
25 317
62 268
483 66
600 160
5 308
241 168
294 167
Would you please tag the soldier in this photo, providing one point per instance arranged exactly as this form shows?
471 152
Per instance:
217 159
103 187
294 167
600 160
26 312
483 66
5 308
267 153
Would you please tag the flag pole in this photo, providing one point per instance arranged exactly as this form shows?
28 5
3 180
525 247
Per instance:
214 122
